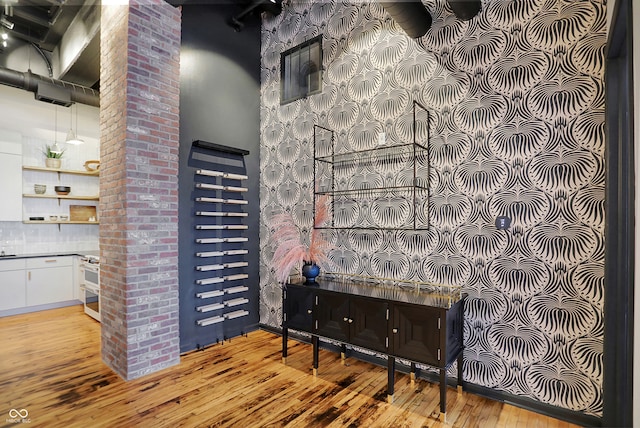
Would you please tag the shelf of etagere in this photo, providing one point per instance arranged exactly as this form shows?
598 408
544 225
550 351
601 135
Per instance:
95 173
72 197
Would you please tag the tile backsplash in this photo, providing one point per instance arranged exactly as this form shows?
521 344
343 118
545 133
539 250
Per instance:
19 238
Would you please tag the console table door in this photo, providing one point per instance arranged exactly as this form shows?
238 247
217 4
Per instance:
299 307
370 325
416 333
331 315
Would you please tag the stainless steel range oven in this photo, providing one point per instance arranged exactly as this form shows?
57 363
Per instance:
90 285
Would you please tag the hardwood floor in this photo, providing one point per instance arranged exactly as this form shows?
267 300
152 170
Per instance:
50 365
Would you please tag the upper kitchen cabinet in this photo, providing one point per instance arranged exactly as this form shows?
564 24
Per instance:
10 163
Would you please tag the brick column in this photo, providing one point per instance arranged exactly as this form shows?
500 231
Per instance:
138 210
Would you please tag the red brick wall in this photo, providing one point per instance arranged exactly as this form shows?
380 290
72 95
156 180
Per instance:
138 210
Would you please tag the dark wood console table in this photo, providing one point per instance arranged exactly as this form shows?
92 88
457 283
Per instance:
418 323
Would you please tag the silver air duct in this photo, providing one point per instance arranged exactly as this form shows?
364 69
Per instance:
53 94
465 9
411 15
48 89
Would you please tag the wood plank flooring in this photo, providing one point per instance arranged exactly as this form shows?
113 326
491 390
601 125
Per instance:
50 365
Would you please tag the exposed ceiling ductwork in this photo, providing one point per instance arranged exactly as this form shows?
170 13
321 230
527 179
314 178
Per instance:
53 94
256 7
416 20
412 16
41 23
65 33
465 9
50 90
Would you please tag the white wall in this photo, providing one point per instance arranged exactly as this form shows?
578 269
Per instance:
39 124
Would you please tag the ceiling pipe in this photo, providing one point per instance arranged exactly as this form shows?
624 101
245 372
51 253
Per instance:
465 9
274 7
29 82
411 15
44 57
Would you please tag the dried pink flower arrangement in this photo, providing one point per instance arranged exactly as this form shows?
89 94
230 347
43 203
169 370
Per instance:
290 251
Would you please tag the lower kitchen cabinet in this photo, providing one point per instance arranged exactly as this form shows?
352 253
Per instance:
13 292
49 280
421 325
30 284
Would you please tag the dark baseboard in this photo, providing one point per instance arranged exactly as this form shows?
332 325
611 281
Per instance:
271 329
570 416
228 336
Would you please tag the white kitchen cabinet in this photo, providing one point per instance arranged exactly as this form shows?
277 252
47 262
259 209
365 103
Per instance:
10 169
77 292
49 280
13 292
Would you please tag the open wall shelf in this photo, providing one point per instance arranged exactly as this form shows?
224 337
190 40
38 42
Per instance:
61 171
73 197
84 187
59 222
385 187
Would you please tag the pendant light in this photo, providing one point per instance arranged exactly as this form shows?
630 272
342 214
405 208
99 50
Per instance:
72 138
55 149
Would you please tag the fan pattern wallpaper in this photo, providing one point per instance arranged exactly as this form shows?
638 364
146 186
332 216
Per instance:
516 99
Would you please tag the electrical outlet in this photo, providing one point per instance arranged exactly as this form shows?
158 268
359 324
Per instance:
382 139
503 222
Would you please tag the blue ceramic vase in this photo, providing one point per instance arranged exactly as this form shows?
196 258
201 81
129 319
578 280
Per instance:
310 271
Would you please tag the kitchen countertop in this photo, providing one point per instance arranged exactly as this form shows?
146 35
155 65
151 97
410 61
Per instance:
52 254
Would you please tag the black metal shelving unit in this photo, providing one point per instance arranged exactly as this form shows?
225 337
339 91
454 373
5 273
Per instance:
385 187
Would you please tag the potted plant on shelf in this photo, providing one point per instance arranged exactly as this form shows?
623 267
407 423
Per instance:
291 252
53 156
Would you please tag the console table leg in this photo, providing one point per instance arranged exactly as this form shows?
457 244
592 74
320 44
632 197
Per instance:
285 336
460 381
443 393
315 341
413 374
391 372
343 353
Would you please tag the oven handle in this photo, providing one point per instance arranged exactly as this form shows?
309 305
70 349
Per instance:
92 288
90 267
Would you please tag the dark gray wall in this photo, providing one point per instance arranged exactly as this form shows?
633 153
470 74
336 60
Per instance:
219 103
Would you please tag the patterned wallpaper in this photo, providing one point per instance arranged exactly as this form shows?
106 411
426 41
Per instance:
516 98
